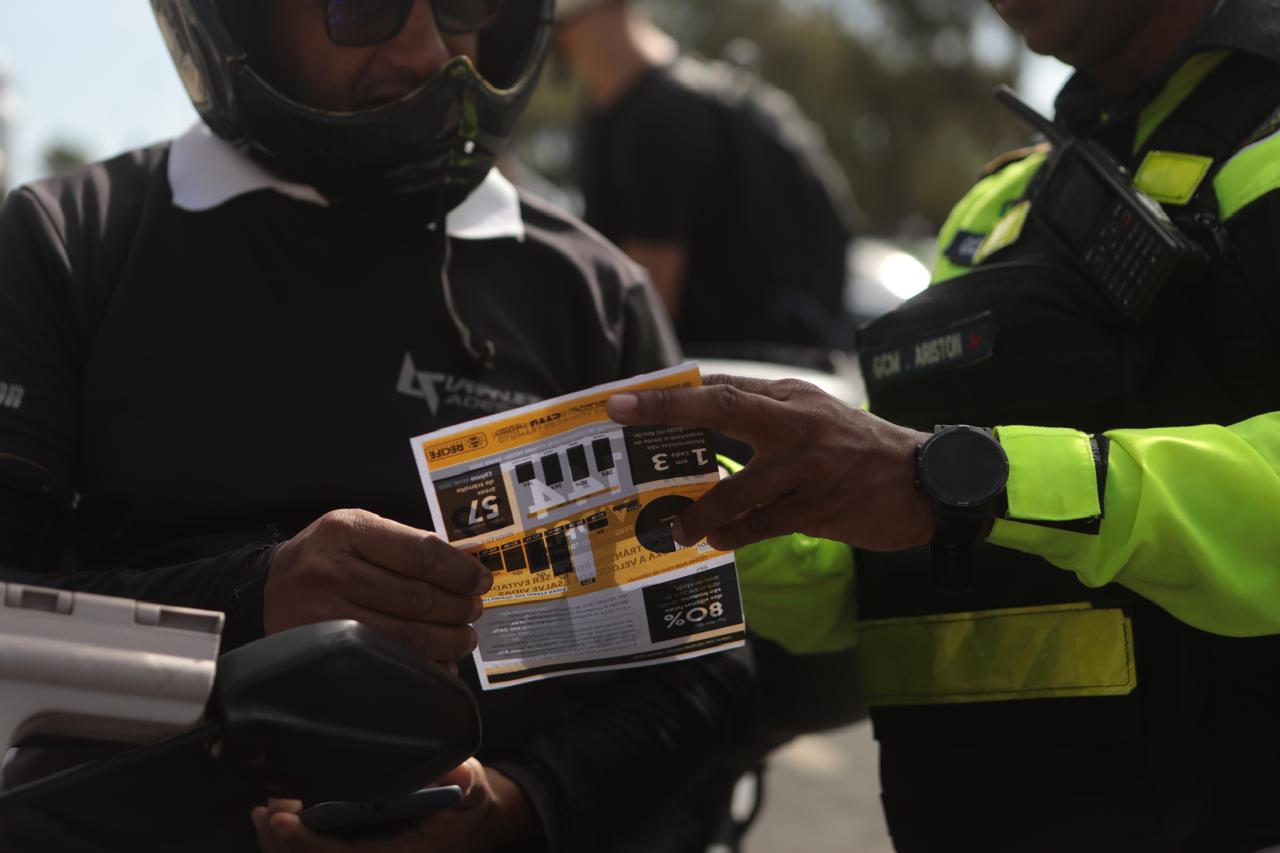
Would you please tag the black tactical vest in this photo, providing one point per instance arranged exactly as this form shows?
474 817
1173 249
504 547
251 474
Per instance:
1190 760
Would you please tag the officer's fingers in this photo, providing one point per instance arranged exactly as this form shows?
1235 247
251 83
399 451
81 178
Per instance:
782 517
737 413
716 406
759 483
712 405
746 384
781 390
407 598
441 644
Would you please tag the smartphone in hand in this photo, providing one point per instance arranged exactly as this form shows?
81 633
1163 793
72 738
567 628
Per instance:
350 820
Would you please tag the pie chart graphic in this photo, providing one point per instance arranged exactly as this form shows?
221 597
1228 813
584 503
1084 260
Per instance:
653 525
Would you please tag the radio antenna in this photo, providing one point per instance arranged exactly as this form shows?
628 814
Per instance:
1028 116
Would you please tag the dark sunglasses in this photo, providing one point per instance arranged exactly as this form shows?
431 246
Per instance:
359 23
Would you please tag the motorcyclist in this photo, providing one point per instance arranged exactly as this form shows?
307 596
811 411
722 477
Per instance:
221 345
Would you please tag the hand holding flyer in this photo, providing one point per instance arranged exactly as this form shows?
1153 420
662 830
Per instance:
572 513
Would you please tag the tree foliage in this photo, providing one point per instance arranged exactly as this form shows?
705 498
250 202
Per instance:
901 88
64 156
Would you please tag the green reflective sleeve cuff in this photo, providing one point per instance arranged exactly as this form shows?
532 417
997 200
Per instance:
1190 524
798 592
1248 176
1053 474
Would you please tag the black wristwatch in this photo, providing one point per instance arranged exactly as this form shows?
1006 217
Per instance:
964 469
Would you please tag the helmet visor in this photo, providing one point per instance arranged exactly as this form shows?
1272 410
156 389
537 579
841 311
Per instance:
358 23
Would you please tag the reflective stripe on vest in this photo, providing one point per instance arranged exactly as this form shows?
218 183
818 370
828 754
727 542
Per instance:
1183 82
984 206
1248 176
1058 651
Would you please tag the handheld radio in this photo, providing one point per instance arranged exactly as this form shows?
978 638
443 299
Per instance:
1086 201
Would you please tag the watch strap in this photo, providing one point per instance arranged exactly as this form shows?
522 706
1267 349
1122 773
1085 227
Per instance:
951 551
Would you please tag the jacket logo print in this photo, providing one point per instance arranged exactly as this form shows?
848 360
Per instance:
443 389
11 395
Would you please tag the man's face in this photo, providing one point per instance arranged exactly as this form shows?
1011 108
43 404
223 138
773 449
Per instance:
314 70
1079 32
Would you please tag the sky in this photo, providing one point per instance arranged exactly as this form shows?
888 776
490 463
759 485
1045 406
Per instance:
95 73
92 72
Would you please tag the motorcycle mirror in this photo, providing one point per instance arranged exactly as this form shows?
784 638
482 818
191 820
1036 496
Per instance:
334 711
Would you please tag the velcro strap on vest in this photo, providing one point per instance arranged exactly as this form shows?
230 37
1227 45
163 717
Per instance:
1056 651
1171 177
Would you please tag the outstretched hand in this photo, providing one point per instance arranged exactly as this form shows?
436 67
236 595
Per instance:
820 467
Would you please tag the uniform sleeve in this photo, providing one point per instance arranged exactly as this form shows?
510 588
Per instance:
797 590
1189 517
46 311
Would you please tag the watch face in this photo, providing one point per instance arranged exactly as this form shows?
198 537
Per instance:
963 467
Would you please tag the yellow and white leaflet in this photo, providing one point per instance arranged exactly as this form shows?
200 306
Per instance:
572 513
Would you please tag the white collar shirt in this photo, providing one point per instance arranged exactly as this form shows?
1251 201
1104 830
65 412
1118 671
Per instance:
206 171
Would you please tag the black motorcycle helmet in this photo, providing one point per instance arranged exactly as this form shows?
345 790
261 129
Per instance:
421 155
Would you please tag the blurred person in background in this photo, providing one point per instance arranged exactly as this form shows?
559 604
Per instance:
1086 657
714 181
212 354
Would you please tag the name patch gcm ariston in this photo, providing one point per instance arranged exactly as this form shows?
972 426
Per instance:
956 345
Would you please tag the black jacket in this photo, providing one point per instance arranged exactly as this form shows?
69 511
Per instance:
197 387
